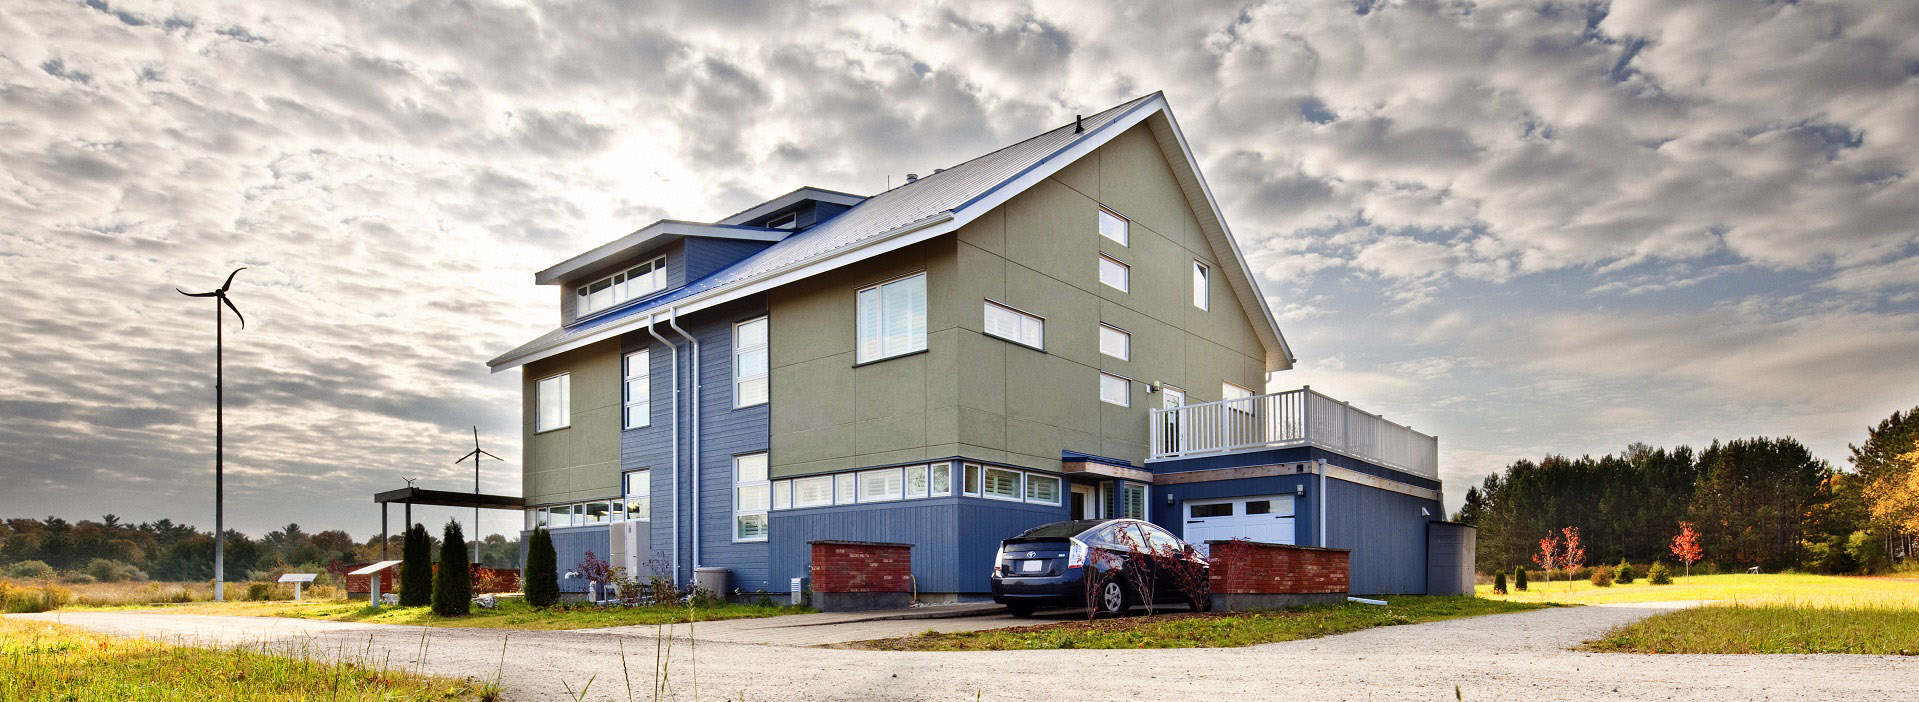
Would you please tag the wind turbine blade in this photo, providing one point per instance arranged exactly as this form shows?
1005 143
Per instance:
229 283
468 455
204 294
236 310
497 458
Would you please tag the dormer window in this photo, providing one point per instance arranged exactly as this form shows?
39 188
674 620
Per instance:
631 284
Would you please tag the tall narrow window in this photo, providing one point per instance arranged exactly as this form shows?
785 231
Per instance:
1115 342
1112 226
749 363
639 491
1115 390
1114 274
843 491
892 318
751 497
553 399
639 389
1015 326
1133 501
1202 292
970 484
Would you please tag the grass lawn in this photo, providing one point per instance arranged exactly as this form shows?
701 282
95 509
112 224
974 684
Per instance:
1206 629
1770 613
47 661
513 613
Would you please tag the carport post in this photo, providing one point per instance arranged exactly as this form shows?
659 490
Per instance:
383 536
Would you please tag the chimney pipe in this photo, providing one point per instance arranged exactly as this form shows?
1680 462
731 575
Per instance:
1079 123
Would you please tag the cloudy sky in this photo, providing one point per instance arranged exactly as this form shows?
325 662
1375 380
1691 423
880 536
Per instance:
1528 227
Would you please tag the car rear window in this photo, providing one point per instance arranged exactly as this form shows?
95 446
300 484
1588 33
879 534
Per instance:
1061 529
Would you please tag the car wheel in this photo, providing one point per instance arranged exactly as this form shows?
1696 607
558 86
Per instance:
1022 611
1112 597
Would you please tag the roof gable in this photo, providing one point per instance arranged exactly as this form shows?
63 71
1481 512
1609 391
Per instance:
934 205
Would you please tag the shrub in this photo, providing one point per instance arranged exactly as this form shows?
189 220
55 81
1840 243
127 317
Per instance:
28 600
259 592
1624 574
416 568
452 581
1519 579
1499 582
540 579
33 570
109 571
1868 552
1658 575
77 578
1602 576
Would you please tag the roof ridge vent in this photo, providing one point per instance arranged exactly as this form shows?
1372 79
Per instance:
912 177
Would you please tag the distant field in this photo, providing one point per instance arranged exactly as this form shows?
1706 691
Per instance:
1754 614
513 613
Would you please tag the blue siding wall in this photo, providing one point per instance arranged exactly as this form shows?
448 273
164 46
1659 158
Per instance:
569 550
1386 533
704 255
953 538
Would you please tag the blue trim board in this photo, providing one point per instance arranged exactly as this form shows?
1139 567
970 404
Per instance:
1289 455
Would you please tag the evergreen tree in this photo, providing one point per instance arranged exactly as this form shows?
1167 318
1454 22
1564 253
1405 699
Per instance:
1499 583
540 577
453 582
1519 578
416 568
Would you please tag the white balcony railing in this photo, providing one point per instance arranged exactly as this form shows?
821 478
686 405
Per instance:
1293 418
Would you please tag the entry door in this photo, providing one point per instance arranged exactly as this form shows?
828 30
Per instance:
1267 518
1085 502
1174 438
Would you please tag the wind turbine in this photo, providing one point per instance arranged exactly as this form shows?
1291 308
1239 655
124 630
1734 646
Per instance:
475 454
219 428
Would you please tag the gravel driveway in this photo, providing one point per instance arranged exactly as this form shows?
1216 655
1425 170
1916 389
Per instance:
1506 656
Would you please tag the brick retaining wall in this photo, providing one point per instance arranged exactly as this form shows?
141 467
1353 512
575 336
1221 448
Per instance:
861 575
1253 575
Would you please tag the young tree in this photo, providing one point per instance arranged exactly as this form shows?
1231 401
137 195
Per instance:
1685 546
541 576
1548 555
453 581
1573 555
416 568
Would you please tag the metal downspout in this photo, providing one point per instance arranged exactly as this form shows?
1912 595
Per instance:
676 442
694 443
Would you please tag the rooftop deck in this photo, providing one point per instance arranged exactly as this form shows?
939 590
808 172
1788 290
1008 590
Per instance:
1294 418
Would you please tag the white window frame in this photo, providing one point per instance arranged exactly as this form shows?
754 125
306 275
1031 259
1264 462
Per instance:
740 486
1125 226
972 479
925 478
643 403
846 489
1019 484
782 495
800 486
1202 285
631 497
620 287
565 401
1032 327
1125 338
1125 273
870 343
1058 486
933 477
763 375
891 476
1145 500
1126 395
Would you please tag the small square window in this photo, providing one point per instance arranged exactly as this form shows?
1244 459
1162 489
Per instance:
1112 226
1114 274
942 479
1115 390
972 478
1115 342
554 398
916 486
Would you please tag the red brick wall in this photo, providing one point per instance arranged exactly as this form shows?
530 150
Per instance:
855 566
1250 568
358 583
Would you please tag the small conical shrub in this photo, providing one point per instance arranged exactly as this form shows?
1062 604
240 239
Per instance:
1519 578
1624 574
540 576
453 581
416 568
1658 575
1499 583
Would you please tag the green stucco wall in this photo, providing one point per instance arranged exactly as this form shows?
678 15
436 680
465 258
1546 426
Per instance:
581 461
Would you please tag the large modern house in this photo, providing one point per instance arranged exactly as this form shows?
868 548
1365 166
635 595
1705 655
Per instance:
1063 328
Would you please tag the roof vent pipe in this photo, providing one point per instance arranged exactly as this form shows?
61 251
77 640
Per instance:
911 177
1079 123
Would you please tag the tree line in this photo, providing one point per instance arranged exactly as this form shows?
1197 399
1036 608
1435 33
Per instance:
165 550
1755 502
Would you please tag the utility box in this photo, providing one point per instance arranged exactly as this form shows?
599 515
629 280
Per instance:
711 579
1451 550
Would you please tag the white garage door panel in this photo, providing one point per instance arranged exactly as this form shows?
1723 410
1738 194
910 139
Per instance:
1266 518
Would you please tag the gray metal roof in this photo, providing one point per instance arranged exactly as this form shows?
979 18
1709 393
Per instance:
924 200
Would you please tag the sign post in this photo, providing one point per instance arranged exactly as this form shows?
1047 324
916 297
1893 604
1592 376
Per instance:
373 579
298 579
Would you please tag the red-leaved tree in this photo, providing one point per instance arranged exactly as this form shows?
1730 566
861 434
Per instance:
1685 546
1548 555
1573 555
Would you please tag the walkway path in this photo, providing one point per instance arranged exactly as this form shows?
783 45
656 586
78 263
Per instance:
1508 656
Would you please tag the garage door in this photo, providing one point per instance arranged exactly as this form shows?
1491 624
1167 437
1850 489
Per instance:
1268 518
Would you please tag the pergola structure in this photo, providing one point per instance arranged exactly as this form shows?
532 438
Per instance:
411 496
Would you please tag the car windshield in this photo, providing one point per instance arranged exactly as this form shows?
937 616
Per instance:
1061 529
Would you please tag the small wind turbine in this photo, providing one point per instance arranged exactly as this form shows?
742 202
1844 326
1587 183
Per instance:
219 428
475 454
